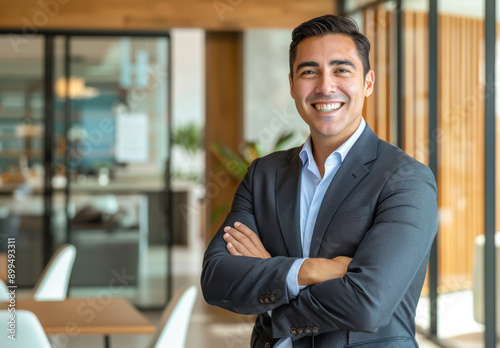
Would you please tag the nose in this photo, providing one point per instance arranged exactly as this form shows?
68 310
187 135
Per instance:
326 84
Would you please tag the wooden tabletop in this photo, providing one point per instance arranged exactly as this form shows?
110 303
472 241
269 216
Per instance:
87 316
3 266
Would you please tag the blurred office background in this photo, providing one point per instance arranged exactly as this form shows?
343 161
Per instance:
117 120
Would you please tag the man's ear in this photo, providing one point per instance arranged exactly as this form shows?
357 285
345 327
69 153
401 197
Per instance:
291 85
369 82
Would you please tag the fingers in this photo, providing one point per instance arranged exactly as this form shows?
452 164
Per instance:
232 250
234 246
244 241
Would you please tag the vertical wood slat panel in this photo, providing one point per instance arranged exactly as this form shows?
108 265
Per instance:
479 130
469 140
425 120
460 173
455 134
408 99
443 174
462 151
448 252
460 170
467 260
474 34
381 68
448 162
474 136
387 114
369 106
421 112
445 188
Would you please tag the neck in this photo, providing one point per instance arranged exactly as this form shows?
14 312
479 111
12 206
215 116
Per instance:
323 147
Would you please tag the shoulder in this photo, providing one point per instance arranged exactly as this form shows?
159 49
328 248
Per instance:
397 164
278 159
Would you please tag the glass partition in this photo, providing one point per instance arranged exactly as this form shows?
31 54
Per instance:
461 169
117 155
110 161
22 130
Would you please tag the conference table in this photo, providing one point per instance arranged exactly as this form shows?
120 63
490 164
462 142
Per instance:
87 316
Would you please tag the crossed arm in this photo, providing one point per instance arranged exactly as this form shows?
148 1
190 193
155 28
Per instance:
389 260
242 241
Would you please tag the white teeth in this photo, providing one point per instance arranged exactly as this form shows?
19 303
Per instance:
327 107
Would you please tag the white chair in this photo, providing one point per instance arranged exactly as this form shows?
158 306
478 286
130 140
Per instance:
28 330
478 279
4 292
54 281
172 328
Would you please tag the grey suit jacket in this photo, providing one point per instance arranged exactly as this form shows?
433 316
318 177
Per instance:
380 209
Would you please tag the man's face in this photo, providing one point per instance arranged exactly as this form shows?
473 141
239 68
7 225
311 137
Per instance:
329 88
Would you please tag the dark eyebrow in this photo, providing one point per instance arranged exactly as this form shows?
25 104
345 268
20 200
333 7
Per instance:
343 62
303 64
332 63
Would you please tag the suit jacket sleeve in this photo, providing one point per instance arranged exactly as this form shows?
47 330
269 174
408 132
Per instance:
242 284
384 265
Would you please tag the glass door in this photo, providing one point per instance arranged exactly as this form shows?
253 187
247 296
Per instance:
22 131
116 158
109 160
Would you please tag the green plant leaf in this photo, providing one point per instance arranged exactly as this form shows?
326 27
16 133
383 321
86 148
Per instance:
235 165
282 140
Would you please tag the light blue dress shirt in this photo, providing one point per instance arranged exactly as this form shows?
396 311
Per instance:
312 191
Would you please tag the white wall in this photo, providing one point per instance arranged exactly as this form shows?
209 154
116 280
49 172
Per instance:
188 92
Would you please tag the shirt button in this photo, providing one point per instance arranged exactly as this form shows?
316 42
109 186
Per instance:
317 181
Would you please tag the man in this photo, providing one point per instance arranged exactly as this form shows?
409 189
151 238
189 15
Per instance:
328 243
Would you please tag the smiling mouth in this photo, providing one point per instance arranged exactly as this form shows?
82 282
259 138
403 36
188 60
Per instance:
328 107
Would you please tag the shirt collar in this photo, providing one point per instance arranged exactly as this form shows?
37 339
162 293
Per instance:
306 152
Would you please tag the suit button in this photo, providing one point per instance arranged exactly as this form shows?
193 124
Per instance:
267 345
267 299
293 331
308 330
261 299
315 330
300 330
273 298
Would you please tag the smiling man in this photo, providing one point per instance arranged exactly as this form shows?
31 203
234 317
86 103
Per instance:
328 242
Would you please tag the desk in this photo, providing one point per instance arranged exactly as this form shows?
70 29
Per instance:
3 267
87 316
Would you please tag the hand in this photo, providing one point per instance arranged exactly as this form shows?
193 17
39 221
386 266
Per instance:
242 241
317 270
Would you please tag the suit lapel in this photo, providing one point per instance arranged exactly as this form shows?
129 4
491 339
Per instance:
288 203
350 173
